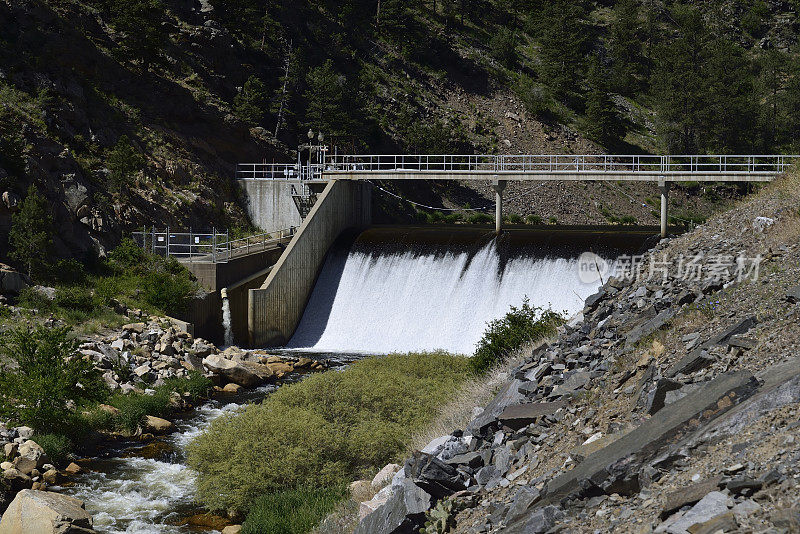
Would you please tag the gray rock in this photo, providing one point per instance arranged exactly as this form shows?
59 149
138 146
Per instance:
657 395
793 295
692 362
521 415
433 475
592 301
44 512
403 512
501 459
11 281
541 520
739 328
644 330
485 474
246 374
471 459
524 498
710 506
614 469
507 396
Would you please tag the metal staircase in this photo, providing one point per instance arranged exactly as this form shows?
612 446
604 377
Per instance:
304 199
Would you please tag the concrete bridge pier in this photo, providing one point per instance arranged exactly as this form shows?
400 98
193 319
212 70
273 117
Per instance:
498 186
663 186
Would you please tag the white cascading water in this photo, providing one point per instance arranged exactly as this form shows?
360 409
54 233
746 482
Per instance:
132 494
226 321
412 301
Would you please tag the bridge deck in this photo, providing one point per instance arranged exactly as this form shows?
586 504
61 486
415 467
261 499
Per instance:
567 176
524 167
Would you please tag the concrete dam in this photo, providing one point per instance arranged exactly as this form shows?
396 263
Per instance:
342 285
396 289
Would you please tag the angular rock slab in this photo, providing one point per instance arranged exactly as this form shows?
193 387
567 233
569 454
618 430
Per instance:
508 396
433 475
43 512
519 416
403 513
614 469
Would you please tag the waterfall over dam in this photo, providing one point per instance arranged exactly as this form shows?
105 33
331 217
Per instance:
421 290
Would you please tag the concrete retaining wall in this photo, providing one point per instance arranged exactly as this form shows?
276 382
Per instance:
270 204
276 308
215 276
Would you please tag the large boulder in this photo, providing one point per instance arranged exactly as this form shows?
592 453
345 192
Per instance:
43 512
247 374
11 281
157 425
31 456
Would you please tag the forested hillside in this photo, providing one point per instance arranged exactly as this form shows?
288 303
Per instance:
132 113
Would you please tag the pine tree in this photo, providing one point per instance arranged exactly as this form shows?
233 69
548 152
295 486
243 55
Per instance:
603 122
626 47
140 22
792 108
12 145
124 162
330 104
774 71
730 116
679 84
252 102
31 235
563 39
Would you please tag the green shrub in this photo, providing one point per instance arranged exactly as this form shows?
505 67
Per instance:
502 47
48 378
135 406
75 298
535 97
170 292
35 300
324 431
69 271
196 385
533 220
514 218
127 255
57 447
480 218
295 511
519 326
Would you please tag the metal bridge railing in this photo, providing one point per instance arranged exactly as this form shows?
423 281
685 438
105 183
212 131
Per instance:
555 163
277 171
215 247
521 163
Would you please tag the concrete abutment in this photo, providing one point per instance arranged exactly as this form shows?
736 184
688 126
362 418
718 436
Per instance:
275 308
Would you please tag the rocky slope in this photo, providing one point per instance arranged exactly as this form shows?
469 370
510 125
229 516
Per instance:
669 405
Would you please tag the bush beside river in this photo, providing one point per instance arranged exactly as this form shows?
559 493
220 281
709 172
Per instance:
325 431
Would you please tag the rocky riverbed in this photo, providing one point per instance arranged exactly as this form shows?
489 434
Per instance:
671 404
139 482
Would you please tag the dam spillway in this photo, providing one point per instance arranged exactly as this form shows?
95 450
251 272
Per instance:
412 290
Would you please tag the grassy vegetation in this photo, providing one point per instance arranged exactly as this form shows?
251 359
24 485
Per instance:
519 326
294 511
129 276
325 431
